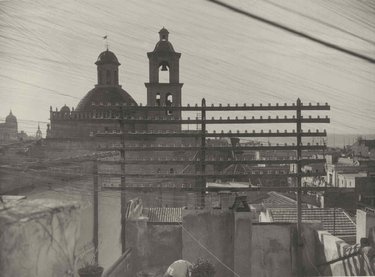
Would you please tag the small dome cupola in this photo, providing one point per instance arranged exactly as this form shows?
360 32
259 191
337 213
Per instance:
164 45
107 57
65 110
107 64
163 33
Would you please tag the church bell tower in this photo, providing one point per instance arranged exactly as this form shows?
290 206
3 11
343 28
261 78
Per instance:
164 87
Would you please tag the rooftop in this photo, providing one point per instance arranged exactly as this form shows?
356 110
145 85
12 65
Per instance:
163 215
335 221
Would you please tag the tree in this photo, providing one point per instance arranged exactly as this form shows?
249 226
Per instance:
203 268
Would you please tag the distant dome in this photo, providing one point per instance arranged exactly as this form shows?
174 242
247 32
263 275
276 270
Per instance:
104 96
107 57
11 118
65 109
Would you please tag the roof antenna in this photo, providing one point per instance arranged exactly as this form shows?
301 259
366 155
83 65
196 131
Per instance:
106 41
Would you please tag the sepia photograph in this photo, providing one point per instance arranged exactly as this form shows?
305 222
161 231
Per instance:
187 138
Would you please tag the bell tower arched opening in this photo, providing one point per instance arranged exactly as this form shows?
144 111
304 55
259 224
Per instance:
164 74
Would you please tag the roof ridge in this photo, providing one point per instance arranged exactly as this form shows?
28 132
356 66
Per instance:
284 196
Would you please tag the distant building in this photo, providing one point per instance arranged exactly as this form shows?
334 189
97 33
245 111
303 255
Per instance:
336 166
38 134
364 148
347 180
9 129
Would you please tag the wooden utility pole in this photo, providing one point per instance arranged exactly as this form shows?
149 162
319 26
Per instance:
203 154
96 210
123 183
299 190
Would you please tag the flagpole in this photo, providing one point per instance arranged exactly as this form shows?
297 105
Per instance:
106 41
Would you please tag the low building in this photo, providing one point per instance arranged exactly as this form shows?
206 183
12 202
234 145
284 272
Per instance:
364 148
341 165
347 180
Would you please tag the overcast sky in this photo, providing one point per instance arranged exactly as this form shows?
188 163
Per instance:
48 49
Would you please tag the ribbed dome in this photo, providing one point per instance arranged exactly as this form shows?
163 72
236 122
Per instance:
65 109
107 57
104 96
11 118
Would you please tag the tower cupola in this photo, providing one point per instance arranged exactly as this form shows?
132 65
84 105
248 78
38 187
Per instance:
107 64
163 33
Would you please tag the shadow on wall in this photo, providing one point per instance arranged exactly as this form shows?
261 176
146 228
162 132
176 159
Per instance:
337 258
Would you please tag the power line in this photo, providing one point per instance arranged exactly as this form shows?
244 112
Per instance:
320 21
296 32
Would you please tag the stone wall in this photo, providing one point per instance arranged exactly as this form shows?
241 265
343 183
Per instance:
38 238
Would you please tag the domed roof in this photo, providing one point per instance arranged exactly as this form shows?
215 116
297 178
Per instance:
11 118
164 46
65 109
104 96
107 57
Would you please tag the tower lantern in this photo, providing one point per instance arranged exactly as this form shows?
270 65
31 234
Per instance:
107 65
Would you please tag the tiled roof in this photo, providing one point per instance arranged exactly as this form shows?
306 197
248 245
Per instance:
335 221
163 215
306 199
275 200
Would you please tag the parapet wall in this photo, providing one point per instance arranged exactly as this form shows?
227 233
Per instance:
332 261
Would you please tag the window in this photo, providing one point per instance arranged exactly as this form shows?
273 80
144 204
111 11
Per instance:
168 102
116 77
157 100
108 77
100 77
171 170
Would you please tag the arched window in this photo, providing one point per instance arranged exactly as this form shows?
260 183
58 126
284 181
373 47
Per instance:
158 100
108 77
164 72
171 170
169 102
100 77
116 77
